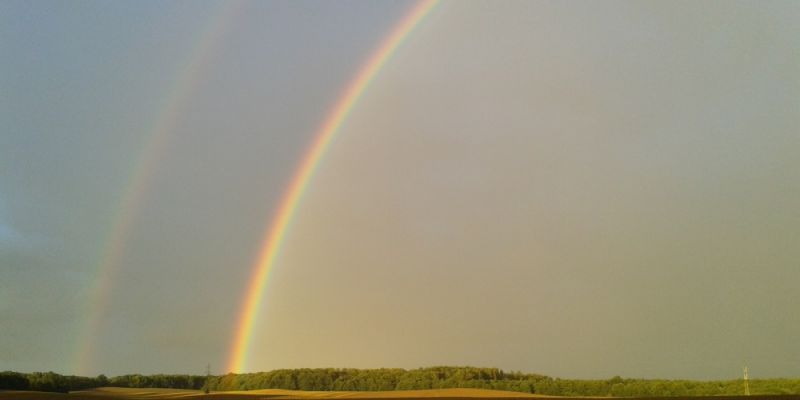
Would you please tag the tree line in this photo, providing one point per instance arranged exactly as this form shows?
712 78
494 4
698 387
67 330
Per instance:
53 382
385 379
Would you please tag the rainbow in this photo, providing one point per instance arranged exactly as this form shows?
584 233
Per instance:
276 233
141 173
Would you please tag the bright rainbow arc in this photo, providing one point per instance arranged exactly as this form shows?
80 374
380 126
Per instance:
141 174
276 233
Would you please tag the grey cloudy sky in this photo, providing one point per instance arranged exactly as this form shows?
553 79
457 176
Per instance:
573 189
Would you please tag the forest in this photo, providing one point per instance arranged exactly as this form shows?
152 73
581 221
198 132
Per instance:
386 379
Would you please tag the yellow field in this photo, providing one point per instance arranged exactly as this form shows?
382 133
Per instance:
266 394
13 394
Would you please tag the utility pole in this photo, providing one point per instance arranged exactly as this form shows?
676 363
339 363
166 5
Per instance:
746 383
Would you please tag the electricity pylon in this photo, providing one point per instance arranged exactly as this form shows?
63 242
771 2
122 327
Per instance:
208 377
746 383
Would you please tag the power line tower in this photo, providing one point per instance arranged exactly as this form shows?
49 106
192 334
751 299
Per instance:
746 383
208 378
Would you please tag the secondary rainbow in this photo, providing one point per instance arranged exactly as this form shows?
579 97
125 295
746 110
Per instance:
276 232
113 250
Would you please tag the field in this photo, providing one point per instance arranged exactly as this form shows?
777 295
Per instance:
277 394
271 394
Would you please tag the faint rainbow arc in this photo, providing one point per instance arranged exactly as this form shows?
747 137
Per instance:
141 173
276 233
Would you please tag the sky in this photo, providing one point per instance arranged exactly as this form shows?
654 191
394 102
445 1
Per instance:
579 190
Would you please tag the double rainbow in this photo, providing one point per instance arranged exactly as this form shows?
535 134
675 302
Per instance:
155 143
276 233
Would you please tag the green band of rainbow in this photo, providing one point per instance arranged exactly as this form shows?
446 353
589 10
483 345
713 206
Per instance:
288 206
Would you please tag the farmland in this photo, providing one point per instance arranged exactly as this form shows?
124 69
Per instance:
109 393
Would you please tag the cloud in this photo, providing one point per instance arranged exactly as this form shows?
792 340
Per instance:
8 235
14 239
